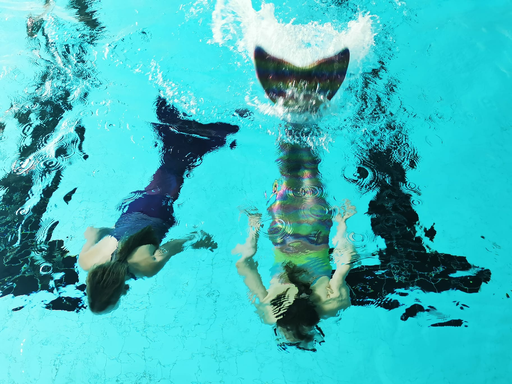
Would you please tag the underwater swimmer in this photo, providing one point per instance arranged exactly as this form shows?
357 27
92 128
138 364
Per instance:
111 261
135 247
303 288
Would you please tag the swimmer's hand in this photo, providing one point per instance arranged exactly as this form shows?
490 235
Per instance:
254 221
254 217
345 211
249 248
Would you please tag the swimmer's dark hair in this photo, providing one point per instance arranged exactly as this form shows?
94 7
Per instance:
300 319
105 285
106 282
301 316
143 237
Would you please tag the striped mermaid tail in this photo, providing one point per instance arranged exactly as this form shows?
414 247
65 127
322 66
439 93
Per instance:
300 213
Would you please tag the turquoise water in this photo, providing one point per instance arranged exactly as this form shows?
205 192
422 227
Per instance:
427 91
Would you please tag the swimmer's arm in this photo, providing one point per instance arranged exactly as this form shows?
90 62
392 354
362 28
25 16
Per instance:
246 266
248 269
96 254
343 256
339 296
344 252
250 247
162 255
158 257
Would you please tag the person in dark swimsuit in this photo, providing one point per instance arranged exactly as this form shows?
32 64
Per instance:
133 247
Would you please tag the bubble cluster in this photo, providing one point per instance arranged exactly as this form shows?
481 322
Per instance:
21 167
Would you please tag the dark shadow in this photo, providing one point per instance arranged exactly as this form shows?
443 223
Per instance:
406 263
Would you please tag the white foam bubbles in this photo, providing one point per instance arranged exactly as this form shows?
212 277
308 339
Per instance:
239 26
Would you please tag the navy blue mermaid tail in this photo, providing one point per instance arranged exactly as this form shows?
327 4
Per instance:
305 88
185 142
301 217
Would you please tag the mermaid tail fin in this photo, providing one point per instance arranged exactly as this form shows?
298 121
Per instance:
305 88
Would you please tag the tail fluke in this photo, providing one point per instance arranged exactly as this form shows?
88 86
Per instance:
304 88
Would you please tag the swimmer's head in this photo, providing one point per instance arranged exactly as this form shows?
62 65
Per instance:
106 282
297 324
105 286
295 312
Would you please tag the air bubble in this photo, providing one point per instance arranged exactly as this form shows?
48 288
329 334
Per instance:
45 269
20 168
357 239
316 212
22 211
279 229
27 129
433 140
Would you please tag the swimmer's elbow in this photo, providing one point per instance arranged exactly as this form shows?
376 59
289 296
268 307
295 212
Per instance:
151 272
156 265
83 262
246 251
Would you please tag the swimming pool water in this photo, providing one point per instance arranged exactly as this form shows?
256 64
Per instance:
426 96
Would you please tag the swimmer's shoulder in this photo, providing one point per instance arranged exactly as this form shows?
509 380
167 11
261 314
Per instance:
98 253
330 299
143 262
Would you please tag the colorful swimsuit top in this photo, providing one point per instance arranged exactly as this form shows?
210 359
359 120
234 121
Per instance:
300 231
300 240
316 264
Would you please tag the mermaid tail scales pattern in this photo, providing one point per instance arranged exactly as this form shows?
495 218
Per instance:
300 210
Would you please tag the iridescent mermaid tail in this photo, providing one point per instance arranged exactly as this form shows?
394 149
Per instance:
300 211
301 217
303 89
